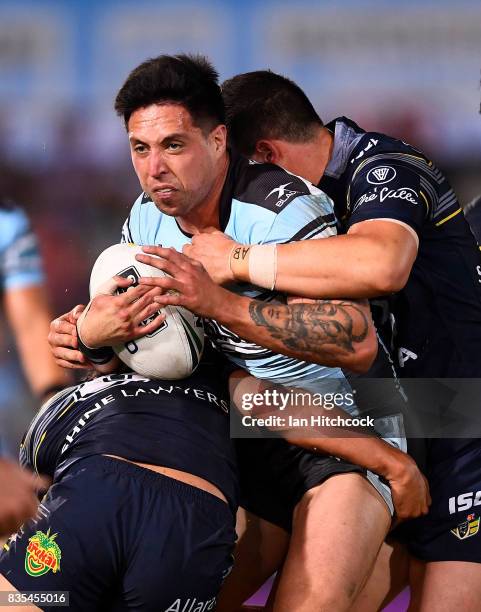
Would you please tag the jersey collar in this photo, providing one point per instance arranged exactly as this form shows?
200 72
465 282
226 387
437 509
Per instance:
347 135
236 162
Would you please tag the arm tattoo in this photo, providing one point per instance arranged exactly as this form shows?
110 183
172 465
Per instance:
312 326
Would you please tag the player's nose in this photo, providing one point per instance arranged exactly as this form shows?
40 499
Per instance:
157 164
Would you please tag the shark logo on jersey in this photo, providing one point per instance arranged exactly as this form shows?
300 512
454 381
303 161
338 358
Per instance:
381 175
282 194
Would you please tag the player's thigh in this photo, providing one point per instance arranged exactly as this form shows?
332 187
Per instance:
260 550
338 530
445 586
181 551
388 578
451 529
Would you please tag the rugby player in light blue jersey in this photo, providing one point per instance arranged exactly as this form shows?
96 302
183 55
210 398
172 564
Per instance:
174 116
404 236
24 303
24 300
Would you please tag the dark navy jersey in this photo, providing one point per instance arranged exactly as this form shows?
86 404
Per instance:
438 313
180 424
472 212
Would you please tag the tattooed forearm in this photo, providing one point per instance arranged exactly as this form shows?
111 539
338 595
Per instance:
311 327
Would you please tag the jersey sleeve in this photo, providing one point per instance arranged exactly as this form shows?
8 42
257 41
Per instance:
20 260
388 191
306 217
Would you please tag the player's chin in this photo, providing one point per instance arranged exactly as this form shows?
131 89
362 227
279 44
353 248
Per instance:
170 205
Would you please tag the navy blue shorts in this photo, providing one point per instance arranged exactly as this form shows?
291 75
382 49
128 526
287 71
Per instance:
274 476
121 537
451 530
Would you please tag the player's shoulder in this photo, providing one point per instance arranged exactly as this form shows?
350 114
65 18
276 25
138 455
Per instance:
143 217
267 185
378 154
7 206
143 200
12 214
13 220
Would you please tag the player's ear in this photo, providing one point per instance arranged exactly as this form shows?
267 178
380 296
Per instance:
266 151
219 138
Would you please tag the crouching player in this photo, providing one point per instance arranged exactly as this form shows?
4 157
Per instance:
141 512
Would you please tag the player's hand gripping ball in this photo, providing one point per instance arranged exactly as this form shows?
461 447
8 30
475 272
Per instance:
173 350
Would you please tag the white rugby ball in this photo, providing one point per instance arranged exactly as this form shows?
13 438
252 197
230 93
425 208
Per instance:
173 350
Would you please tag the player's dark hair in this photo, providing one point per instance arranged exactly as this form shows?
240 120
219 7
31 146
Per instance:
188 80
263 104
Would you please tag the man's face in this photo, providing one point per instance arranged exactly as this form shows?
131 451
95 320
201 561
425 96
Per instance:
177 165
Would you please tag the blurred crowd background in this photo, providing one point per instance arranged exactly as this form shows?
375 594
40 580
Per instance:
409 69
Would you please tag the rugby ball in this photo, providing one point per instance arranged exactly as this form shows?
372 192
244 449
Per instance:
173 350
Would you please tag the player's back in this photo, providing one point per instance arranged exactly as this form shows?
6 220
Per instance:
180 424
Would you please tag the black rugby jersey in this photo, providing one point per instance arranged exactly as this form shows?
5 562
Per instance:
438 313
181 424
472 212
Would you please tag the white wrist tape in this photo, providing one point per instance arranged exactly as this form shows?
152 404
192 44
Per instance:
263 265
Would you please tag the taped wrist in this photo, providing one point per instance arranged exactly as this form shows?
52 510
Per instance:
97 356
256 264
263 266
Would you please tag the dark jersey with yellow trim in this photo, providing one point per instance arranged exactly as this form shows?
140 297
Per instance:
181 424
472 212
438 313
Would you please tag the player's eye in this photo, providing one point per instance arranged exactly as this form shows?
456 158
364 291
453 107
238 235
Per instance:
174 146
140 148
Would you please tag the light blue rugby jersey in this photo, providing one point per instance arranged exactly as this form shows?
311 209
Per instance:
20 262
260 204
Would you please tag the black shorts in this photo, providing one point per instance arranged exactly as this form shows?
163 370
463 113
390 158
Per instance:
274 475
451 530
118 537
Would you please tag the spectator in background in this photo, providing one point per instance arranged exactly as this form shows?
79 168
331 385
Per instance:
25 304
24 301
